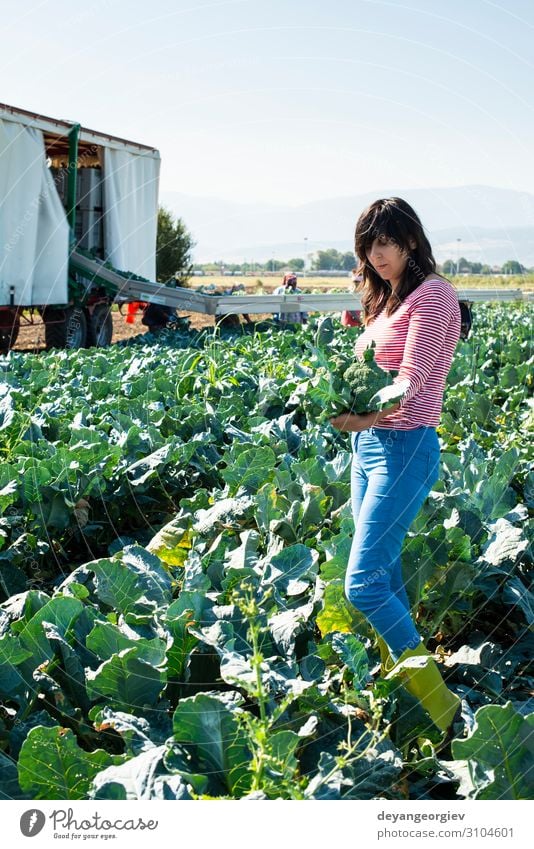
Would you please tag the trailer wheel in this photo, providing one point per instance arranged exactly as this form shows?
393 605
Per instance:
9 330
100 327
66 328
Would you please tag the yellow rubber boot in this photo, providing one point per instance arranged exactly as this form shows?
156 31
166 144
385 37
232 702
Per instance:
426 684
386 661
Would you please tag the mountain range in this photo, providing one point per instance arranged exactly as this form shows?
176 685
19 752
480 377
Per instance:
482 223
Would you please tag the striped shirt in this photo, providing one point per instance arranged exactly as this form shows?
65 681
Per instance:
418 340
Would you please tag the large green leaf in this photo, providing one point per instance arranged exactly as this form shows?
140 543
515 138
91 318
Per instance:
287 625
337 551
181 616
133 581
107 639
270 506
36 476
417 555
154 466
501 746
249 469
353 654
127 681
52 765
216 739
245 555
506 543
22 727
68 672
173 542
8 491
60 612
12 654
516 593
141 777
292 569
137 732
369 775
338 615
21 608
481 665
316 506
7 409
226 512
493 496
277 676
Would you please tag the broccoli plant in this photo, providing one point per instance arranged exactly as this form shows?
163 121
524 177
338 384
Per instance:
344 385
366 380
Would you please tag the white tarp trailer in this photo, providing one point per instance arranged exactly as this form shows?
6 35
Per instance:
62 187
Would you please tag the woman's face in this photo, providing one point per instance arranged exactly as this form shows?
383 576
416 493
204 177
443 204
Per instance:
387 258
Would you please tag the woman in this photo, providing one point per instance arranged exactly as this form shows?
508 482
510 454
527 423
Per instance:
413 317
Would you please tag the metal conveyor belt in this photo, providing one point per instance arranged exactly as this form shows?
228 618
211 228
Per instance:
131 289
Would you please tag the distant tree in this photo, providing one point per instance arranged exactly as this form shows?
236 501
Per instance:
173 249
296 264
349 261
513 267
451 266
463 265
211 267
329 260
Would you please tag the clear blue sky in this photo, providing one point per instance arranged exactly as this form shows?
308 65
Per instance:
289 100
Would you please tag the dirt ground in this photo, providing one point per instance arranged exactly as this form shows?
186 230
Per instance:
31 337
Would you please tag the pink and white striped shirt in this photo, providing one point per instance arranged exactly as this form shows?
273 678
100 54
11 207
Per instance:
418 340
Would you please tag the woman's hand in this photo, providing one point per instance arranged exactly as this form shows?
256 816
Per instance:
351 422
355 423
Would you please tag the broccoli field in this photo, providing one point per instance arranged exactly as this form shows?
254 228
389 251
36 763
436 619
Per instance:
175 525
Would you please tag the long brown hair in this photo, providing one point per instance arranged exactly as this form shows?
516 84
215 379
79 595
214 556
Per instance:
394 219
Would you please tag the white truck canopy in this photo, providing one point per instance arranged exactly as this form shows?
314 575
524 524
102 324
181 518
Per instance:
130 195
34 233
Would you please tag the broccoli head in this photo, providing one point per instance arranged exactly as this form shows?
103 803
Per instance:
365 378
340 385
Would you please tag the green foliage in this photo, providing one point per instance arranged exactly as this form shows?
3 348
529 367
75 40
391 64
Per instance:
366 379
498 754
173 249
339 384
174 535
333 260
296 264
52 765
463 265
219 746
512 266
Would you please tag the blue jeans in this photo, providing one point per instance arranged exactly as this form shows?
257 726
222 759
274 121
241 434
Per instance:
392 473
